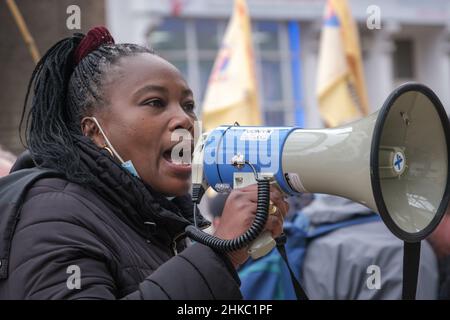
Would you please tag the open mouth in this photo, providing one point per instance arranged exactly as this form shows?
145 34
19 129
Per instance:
179 154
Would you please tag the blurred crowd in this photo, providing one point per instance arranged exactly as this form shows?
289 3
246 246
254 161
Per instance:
350 254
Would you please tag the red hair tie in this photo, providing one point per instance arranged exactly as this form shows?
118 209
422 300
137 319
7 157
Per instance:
93 40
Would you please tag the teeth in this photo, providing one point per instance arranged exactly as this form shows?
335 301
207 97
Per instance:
181 162
179 154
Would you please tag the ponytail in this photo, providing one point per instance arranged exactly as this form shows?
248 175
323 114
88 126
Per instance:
46 131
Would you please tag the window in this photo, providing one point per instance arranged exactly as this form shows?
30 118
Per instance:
266 36
271 45
274 118
403 60
270 81
205 66
170 36
207 34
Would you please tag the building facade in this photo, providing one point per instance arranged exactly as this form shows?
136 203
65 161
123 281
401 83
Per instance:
47 23
412 43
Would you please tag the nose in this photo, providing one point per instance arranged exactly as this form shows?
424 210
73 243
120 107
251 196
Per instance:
179 119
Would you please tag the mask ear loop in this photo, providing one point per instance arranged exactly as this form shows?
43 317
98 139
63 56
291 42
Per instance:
107 141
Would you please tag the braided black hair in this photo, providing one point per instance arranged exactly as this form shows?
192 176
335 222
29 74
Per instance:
63 95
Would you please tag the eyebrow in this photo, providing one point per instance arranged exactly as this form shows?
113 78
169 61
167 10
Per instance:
150 88
187 92
163 90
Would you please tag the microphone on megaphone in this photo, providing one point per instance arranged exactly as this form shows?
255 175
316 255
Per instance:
395 161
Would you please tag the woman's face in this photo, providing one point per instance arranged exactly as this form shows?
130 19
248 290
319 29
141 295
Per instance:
147 100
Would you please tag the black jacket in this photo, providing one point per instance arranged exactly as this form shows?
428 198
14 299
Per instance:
63 227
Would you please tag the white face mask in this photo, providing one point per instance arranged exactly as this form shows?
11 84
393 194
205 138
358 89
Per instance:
127 165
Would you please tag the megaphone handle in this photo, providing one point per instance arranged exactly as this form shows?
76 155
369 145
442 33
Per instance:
261 245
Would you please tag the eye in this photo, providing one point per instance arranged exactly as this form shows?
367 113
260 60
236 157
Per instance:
189 106
155 102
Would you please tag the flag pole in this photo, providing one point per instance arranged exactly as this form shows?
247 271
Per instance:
24 30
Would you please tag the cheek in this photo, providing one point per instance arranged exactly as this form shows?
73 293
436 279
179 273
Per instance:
137 137
144 145
141 139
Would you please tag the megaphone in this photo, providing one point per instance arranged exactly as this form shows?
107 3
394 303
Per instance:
395 161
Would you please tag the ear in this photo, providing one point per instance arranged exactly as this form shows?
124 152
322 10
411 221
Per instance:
91 130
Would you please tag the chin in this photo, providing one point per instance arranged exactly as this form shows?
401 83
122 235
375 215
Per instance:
178 188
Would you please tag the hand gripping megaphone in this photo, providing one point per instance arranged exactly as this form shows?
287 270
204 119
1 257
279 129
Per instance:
395 161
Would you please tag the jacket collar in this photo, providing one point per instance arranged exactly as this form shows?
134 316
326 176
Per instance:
136 198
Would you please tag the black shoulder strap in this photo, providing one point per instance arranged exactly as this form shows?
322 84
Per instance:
13 189
299 292
411 261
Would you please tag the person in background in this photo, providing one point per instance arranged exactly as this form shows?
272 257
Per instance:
6 161
353 253
346 241
440 241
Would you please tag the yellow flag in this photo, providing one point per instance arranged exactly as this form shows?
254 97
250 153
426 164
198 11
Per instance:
232 91
341 87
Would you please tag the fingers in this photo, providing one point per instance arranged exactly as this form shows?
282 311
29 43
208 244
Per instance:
249 188
278 200
275 221
274 224
249 194
276 195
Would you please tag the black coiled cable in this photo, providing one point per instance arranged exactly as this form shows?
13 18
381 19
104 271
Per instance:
251 234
